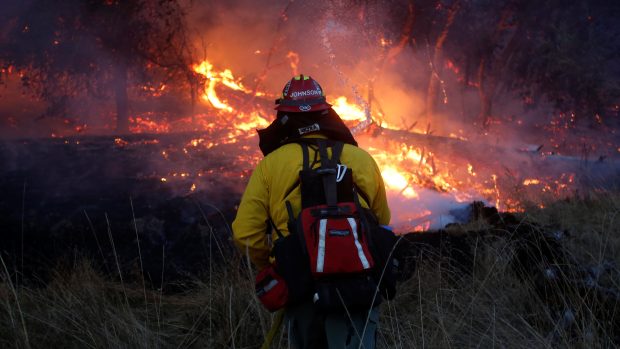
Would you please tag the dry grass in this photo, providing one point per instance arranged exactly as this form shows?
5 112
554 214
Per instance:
82 309
438 307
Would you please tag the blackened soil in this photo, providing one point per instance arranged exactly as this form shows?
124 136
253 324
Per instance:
101 197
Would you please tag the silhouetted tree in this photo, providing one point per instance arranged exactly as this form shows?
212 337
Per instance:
563 52
558 51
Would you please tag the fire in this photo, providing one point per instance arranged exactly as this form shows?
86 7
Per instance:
225 78
213 79
405 168
205 68
497 193
348 111
231 112
414 164
470 169
294 58
396 180
531 181
255 121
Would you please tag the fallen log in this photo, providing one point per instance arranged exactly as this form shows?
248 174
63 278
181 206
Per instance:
516 163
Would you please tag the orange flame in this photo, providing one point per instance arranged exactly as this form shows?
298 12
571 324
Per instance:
405 169
294 57
348 111
225 79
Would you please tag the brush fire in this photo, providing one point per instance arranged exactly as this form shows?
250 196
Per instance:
132 126
416 165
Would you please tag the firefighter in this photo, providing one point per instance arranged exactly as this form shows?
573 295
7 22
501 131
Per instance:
303 112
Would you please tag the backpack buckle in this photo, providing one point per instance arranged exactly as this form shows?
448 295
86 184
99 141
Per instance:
342 170
326 171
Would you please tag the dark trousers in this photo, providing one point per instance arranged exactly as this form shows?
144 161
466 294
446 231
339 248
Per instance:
308 328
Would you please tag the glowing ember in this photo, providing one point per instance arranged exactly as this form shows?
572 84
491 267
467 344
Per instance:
144 124
119 142
531 181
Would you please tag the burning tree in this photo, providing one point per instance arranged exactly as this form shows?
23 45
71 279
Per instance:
65 50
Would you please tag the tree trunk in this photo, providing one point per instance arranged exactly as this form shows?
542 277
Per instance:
433 85
193 92
404 35
486 95
121 98
488 82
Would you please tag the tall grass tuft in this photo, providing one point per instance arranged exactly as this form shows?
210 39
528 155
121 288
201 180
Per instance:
494 304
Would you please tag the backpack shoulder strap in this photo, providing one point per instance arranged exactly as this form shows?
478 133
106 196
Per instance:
337 147
271 226
325 163
329 174
306 156
336 152
291 217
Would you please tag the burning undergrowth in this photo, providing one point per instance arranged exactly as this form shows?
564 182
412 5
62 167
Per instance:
172 186
428 176
168 199
435 153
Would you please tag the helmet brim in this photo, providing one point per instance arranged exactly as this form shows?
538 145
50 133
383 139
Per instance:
303 108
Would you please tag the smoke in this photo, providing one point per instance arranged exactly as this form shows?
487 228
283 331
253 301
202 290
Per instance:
434 211
335 46
348 47
354 49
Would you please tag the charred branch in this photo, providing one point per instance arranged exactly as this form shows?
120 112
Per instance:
436 62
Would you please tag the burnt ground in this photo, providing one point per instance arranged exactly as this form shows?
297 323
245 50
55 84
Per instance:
66 199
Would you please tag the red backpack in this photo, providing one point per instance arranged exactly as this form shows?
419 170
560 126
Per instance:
333 229
335 251
330 222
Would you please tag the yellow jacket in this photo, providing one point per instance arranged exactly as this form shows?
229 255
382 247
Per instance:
275 175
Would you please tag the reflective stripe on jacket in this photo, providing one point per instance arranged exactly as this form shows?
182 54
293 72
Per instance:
275 180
